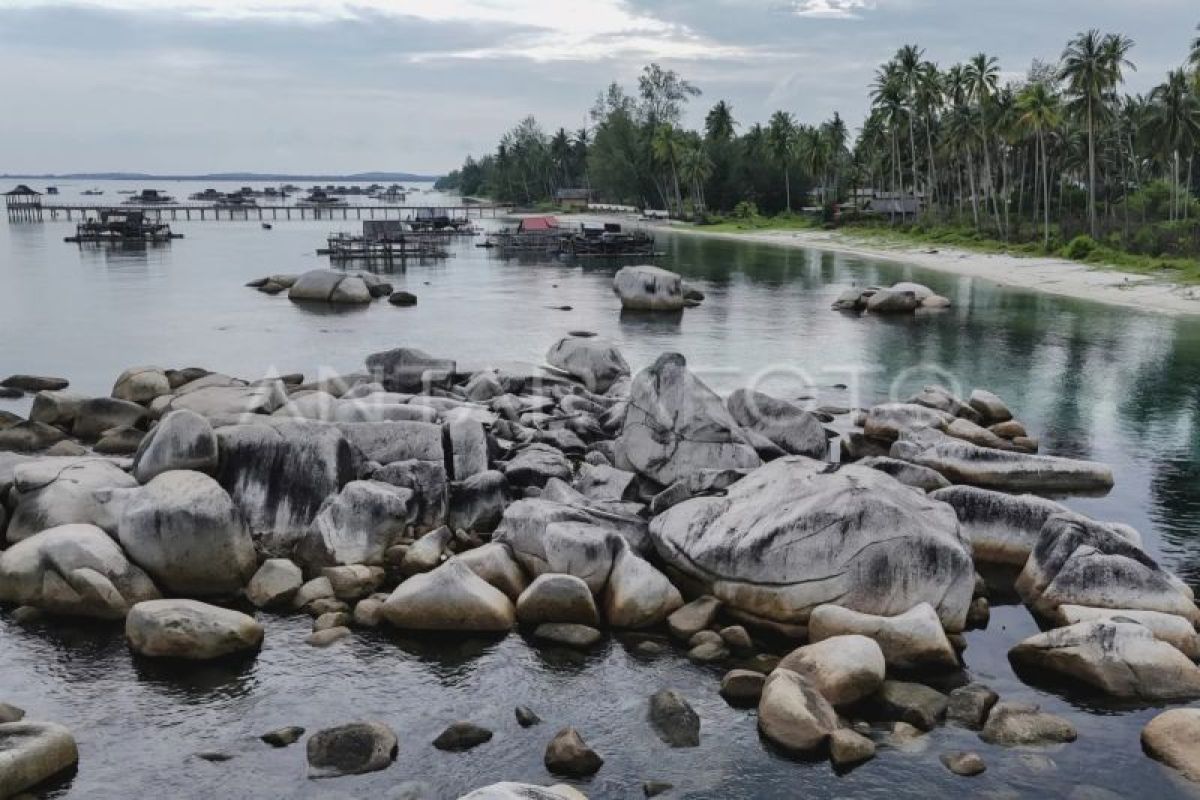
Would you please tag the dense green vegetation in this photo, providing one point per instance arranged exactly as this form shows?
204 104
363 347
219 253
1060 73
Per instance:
1060 161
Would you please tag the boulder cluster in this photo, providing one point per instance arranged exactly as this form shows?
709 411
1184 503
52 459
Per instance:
580 499
336 287
901 298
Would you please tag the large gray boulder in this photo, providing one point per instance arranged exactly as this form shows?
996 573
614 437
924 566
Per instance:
395 440
1078 561
141 384
279 476
184 530
1120 659
76 570
1170 628
557 598
468 447
428 482
675 425
357 525
190 630
407 369
535 464
1003 528
648 288
61 491
56 407
844 669
914 475
450 598
789 427
597 363
477 504
1004 470
494 563
181 440
99 414
275 583
328 286
911 640
223 402
793 714
33 752
797 533
637 595
887 421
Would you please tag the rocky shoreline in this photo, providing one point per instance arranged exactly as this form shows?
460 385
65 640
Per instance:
832 573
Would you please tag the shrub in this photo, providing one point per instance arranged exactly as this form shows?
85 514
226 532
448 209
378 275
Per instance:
1080 248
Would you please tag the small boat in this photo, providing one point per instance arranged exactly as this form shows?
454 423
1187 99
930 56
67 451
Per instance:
92 192
51 190
266 226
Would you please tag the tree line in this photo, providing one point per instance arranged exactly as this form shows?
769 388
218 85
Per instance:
1064 151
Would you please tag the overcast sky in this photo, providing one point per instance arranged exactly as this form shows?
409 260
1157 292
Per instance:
413 85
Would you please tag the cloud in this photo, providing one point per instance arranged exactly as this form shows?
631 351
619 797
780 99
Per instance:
551 30
831 9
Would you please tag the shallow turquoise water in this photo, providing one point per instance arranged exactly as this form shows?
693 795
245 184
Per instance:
1092 381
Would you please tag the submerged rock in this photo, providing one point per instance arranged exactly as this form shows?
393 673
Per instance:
1015 724
1120 659
462 736
189 629
676 426
674 719
797 533
75 570
914 703
352 749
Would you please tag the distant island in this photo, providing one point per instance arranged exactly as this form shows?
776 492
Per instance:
225 176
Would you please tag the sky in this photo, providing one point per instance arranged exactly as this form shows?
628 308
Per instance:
343 86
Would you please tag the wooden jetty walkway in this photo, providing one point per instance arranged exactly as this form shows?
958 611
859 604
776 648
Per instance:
37 212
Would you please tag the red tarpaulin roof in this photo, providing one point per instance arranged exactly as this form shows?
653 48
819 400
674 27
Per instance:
539 223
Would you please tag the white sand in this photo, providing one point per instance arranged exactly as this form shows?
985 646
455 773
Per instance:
1051 275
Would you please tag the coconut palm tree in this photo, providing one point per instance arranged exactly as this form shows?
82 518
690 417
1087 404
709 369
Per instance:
908 61
719 123
781 140
983 76
929 95
887 96
695 166
1194 56
1175 127
1039 110
1092 66
667 148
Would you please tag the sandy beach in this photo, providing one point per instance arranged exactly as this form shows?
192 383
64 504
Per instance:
1052 275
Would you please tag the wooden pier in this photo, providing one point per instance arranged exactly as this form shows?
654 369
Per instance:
30 208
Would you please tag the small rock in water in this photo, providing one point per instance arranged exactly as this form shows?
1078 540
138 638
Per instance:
963 763
9 713
846 747
569 634
27 615
8 393
970 705
655 788
674 719
283 736
567 754
1013 724
742 686
215 757
526 717
737 638
709 652
34 383
462 736
327 636
403 298
649 648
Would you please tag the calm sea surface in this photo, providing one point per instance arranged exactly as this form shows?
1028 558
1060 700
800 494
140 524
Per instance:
1092 381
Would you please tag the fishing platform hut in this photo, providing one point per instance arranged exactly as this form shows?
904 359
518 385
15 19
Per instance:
120 226
544 235
387 241
23 203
